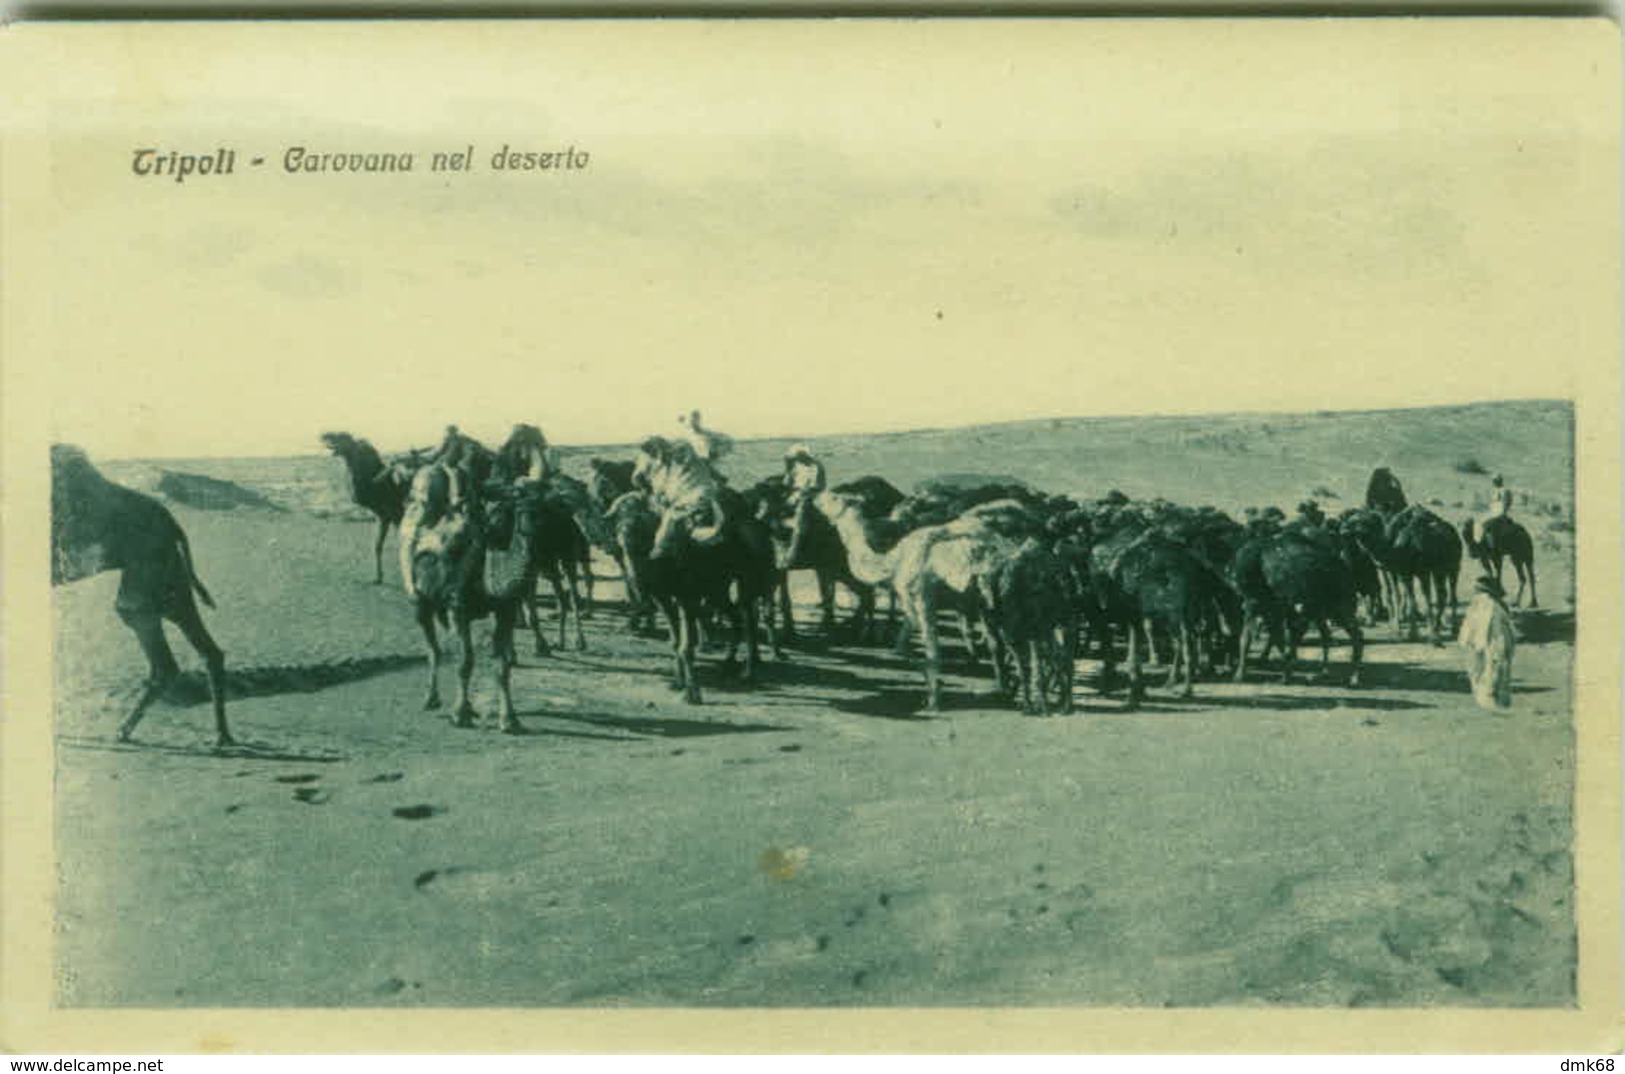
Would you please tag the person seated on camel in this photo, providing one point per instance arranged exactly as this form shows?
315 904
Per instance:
804 479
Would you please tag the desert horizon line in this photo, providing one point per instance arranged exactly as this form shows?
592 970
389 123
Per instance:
575 448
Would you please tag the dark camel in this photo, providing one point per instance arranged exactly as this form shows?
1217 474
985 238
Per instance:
375 485
1502 539
97 526
733 570
1289 579
1412 545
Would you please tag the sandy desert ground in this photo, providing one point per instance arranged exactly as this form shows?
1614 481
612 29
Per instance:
811 841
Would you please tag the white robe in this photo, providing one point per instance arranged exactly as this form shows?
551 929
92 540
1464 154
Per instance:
1488 640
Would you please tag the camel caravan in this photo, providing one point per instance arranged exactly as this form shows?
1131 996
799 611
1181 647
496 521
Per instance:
1029 582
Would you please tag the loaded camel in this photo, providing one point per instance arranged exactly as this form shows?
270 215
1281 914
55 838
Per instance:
97 525
706 551
467 563
375 485
567 521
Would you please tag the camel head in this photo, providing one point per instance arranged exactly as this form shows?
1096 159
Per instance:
836 504
340 444
72 475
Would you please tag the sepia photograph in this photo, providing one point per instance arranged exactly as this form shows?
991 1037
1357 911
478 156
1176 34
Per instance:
809 535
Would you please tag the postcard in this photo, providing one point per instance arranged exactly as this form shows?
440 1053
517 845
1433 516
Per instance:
878 535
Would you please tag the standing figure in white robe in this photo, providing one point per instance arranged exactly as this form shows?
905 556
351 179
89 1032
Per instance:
1488 640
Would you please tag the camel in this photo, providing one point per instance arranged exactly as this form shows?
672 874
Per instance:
97 525
448 483
463 570
951 559
559 549
378 487
633 523
732 568
1410 545
877 496
526 457
1143 578
820 551
1292 578
1503 538
1030 607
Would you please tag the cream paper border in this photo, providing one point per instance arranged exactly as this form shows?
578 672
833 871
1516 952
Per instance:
30 1024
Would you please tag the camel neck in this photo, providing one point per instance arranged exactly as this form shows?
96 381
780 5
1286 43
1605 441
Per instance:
868 565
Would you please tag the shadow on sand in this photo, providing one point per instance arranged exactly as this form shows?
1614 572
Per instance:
242 751
190 688
1539 626
652 726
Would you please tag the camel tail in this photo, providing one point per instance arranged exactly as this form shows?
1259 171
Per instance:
191 571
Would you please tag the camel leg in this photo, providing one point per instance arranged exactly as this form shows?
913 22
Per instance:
1325 629
922 615
786 611
1530 567
735 611
1249 620
464 716
1408 616
900 636
1289 656
690 636
766 616
1034 681
162 669
1396 603
826 599
1187 656
535 617
431 700
576 608
674 629
1067 669
378 552
861 625
214 661
507 615
997 648
753 651
1136 681
584 607
556 579
1351 626
1433 590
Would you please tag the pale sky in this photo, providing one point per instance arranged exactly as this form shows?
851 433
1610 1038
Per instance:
810 228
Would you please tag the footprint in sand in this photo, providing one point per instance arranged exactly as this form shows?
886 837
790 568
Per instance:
418 812
303 777
388 777
311 795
